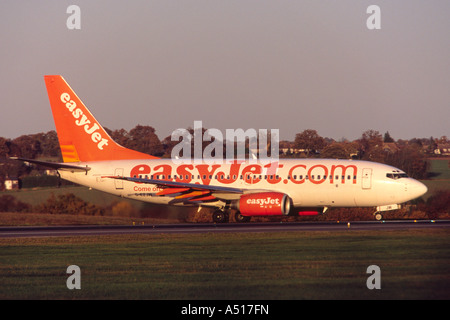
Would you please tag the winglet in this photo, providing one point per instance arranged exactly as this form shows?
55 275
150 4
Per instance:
81 136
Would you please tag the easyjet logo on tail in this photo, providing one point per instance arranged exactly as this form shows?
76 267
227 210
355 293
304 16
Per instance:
82 120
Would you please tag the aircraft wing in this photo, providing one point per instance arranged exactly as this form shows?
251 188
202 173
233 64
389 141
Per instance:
173 184
189 193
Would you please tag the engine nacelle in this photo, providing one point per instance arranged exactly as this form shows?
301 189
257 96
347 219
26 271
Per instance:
264 204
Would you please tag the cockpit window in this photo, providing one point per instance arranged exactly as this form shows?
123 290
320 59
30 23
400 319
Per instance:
396 176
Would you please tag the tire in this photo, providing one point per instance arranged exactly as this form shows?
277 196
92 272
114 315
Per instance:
240 218
219 216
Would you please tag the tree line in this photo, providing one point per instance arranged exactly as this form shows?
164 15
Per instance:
408 155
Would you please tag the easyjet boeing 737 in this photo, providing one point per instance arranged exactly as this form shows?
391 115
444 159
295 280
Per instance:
286 187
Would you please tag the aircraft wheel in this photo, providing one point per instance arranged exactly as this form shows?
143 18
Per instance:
240 218
378 216
219 216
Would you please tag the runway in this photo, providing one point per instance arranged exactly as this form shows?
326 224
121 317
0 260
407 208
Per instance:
73 231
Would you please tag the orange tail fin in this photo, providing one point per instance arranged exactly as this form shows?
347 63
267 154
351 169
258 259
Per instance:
81 137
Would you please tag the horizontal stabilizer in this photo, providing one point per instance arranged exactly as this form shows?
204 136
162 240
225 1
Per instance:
55 165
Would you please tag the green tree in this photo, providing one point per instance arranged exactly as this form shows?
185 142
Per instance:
144 139
339 150
29 147
410 159
310 141
387 137
9 203
371 146
68 204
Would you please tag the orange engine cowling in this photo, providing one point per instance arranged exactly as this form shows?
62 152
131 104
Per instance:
264 204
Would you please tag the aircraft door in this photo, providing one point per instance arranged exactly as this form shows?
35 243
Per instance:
118 183
367 178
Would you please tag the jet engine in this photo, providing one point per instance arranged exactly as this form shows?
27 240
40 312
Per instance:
263 204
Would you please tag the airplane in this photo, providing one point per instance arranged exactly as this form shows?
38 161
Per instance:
280 188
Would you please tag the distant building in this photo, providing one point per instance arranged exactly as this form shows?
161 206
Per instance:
12 183
442 149
51 172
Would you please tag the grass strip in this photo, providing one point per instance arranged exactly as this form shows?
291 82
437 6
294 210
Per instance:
414 264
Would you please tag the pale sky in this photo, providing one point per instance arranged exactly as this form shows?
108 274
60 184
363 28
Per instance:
287 65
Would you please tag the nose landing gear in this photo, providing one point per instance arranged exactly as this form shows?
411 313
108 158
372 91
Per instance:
378 214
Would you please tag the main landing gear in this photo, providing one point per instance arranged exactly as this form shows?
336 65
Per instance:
223 216
240 218
220 216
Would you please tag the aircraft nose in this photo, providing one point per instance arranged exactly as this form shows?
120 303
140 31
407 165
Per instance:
417 189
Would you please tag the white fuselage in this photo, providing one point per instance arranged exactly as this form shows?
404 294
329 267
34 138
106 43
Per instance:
308 182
